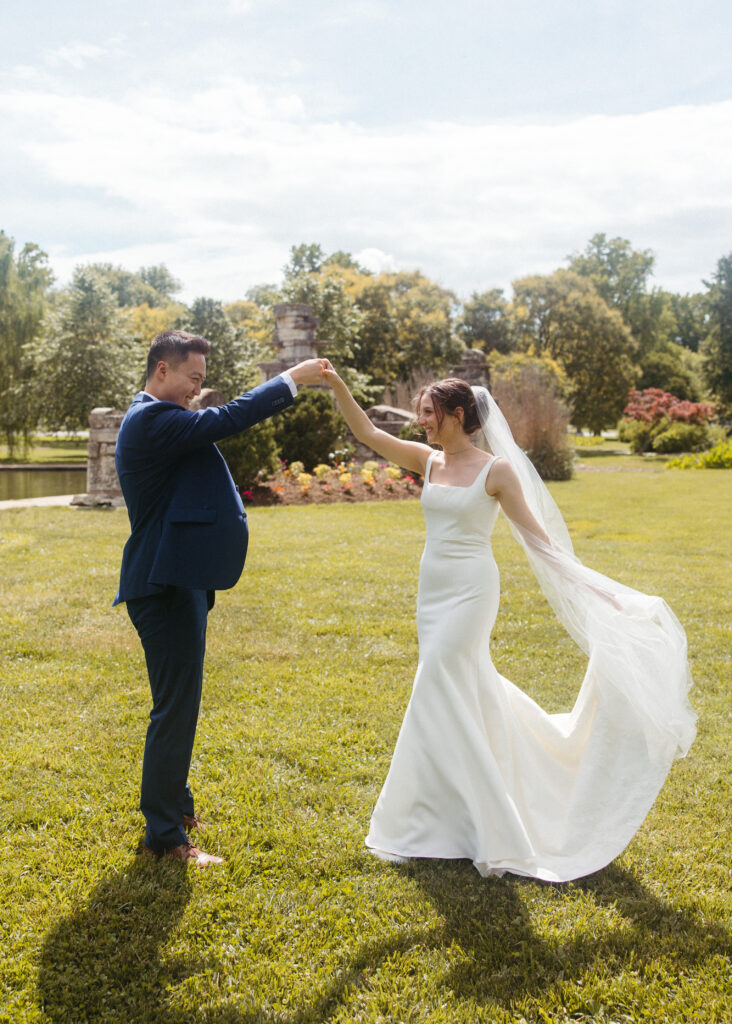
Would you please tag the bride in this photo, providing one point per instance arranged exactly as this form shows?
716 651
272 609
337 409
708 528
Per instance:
480 771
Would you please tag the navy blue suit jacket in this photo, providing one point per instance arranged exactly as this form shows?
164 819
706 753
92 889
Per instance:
188 524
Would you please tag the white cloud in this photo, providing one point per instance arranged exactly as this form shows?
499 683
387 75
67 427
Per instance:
77 54
375 260
232 175
347 11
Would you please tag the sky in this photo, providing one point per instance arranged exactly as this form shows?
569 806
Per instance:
477 141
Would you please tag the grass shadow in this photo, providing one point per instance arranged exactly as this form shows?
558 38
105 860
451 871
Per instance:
504 957
103 962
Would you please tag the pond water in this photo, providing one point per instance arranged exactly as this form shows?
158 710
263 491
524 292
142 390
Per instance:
17 484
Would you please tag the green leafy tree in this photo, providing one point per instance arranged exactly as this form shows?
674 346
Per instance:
717 348
152 285
618 272
340 320
345 261
562 315
304 259
486 322
24 284
162 282
620 275
408 326
233 365
691 313
668 370
86 356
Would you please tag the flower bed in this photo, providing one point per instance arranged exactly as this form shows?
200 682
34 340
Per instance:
369 481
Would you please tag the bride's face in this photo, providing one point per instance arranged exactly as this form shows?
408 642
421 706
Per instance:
427 418
437 432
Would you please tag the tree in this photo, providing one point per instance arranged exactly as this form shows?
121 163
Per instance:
486 323
86 355
152 285
691 313
666 369
408 326
562 315
146 322
304 259
618 272
717 348
345 261
161 281
340 319
536 305
233 365
620 276
24 284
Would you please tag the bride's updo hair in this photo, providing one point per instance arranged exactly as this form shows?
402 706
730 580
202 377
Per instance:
448 396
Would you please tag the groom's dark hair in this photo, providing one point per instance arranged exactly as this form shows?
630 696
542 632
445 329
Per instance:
174 347
448 396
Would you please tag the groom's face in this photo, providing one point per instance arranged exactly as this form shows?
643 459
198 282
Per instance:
181 382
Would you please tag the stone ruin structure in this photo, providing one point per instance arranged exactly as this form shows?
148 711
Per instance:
295 338
102 485
473 368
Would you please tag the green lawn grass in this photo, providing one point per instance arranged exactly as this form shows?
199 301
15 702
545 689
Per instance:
310 667
46 450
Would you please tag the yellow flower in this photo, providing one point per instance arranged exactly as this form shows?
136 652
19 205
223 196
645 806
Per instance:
393 472
296 468
321 470
304 479
369 467
345 478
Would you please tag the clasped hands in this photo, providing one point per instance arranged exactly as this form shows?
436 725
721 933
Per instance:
312 372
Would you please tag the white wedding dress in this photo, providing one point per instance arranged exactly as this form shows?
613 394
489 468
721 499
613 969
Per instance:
480 771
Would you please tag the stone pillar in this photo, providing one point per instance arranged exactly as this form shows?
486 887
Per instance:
102 485
473 368
295 338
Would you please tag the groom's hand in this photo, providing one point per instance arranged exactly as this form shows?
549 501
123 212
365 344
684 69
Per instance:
309 372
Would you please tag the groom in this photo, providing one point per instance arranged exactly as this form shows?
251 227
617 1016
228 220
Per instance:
188 539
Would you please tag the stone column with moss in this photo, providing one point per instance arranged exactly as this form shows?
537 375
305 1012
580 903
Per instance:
102 484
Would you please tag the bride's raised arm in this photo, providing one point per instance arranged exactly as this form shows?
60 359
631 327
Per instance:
410 455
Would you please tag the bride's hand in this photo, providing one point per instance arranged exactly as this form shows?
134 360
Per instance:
329 374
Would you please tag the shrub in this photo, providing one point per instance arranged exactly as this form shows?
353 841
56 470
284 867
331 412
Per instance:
662 421
530 400
251 455
680 437
653 405
310 429
636 433
718 457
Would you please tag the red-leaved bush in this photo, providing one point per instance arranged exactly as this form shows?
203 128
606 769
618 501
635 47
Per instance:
653 405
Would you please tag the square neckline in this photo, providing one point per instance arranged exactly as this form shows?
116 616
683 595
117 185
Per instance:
457 487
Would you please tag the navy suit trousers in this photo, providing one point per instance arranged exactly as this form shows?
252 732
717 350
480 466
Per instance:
172 628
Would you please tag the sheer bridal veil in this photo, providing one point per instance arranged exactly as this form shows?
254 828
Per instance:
635 644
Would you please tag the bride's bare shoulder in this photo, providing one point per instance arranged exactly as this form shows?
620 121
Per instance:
500 476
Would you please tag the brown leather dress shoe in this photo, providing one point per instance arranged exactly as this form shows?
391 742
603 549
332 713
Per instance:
185 852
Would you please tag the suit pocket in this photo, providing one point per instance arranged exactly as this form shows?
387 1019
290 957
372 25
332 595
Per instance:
191 515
